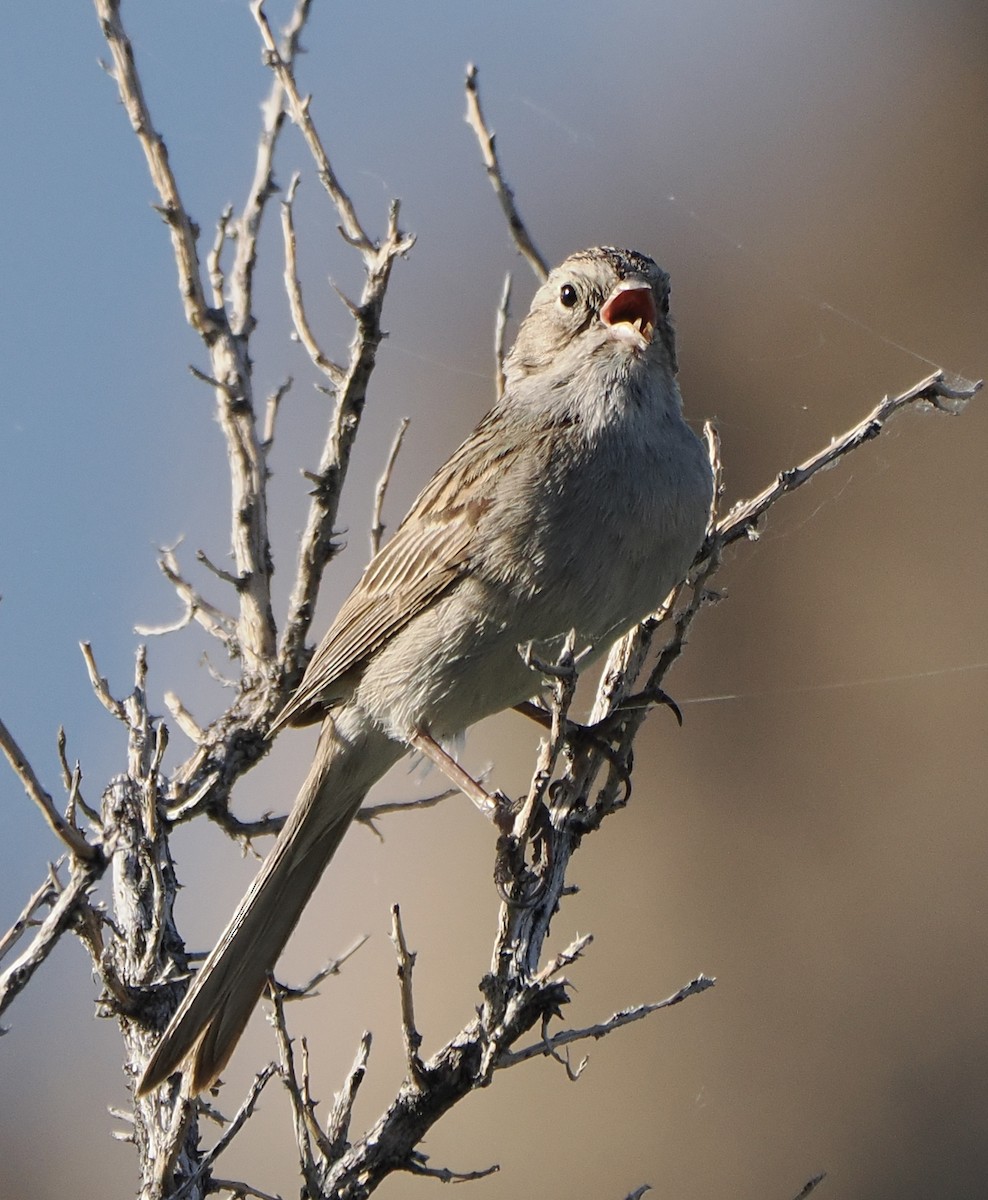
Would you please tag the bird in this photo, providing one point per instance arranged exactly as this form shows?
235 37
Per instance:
572 510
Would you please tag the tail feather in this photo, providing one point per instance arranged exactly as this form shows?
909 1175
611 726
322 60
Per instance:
205 1029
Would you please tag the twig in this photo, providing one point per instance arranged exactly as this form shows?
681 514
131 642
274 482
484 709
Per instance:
20 972
303 330
307 1127
565 958
416 1165
75 797
946 393
214 261
303 1117
72 782
810 1186
243 831
626 1016
299 109
377 526
47 893
262 186
180 226
475 119
215 622
271 412
219 572
240 1191
317 545
230 376
500 333
237 1122
183 718
338 1126
61 741
563 678
100 685
333 967
410 1035
370 812
68 834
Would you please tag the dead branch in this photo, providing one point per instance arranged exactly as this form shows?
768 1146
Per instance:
307 1129
46 894
377 525
946 393
317 545
180 226
338 1127
237 1122
500 334
299 109
262 186
70 836
82 877
333 967
296 306
626 1016
216 623
406 963
418 1165
506 197
230 375
100 685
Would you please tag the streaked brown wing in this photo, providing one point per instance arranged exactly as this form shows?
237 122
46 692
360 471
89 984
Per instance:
430 550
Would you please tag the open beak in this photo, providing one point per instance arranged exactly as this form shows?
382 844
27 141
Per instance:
629 313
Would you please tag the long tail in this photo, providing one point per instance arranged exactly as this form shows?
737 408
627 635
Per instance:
208 1023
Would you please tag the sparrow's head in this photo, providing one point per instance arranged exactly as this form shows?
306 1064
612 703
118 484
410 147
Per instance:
600 304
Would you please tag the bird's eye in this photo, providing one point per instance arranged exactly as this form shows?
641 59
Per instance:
567 295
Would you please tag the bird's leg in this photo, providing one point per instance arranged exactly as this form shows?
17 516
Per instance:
496 807
601 729
597 736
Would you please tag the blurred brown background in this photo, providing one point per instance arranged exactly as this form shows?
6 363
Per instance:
813 175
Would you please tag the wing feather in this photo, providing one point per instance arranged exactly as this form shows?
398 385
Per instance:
430 550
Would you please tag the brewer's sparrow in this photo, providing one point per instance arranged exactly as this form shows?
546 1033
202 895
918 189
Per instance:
576 504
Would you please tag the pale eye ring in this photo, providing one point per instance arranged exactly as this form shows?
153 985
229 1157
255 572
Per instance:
568 295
